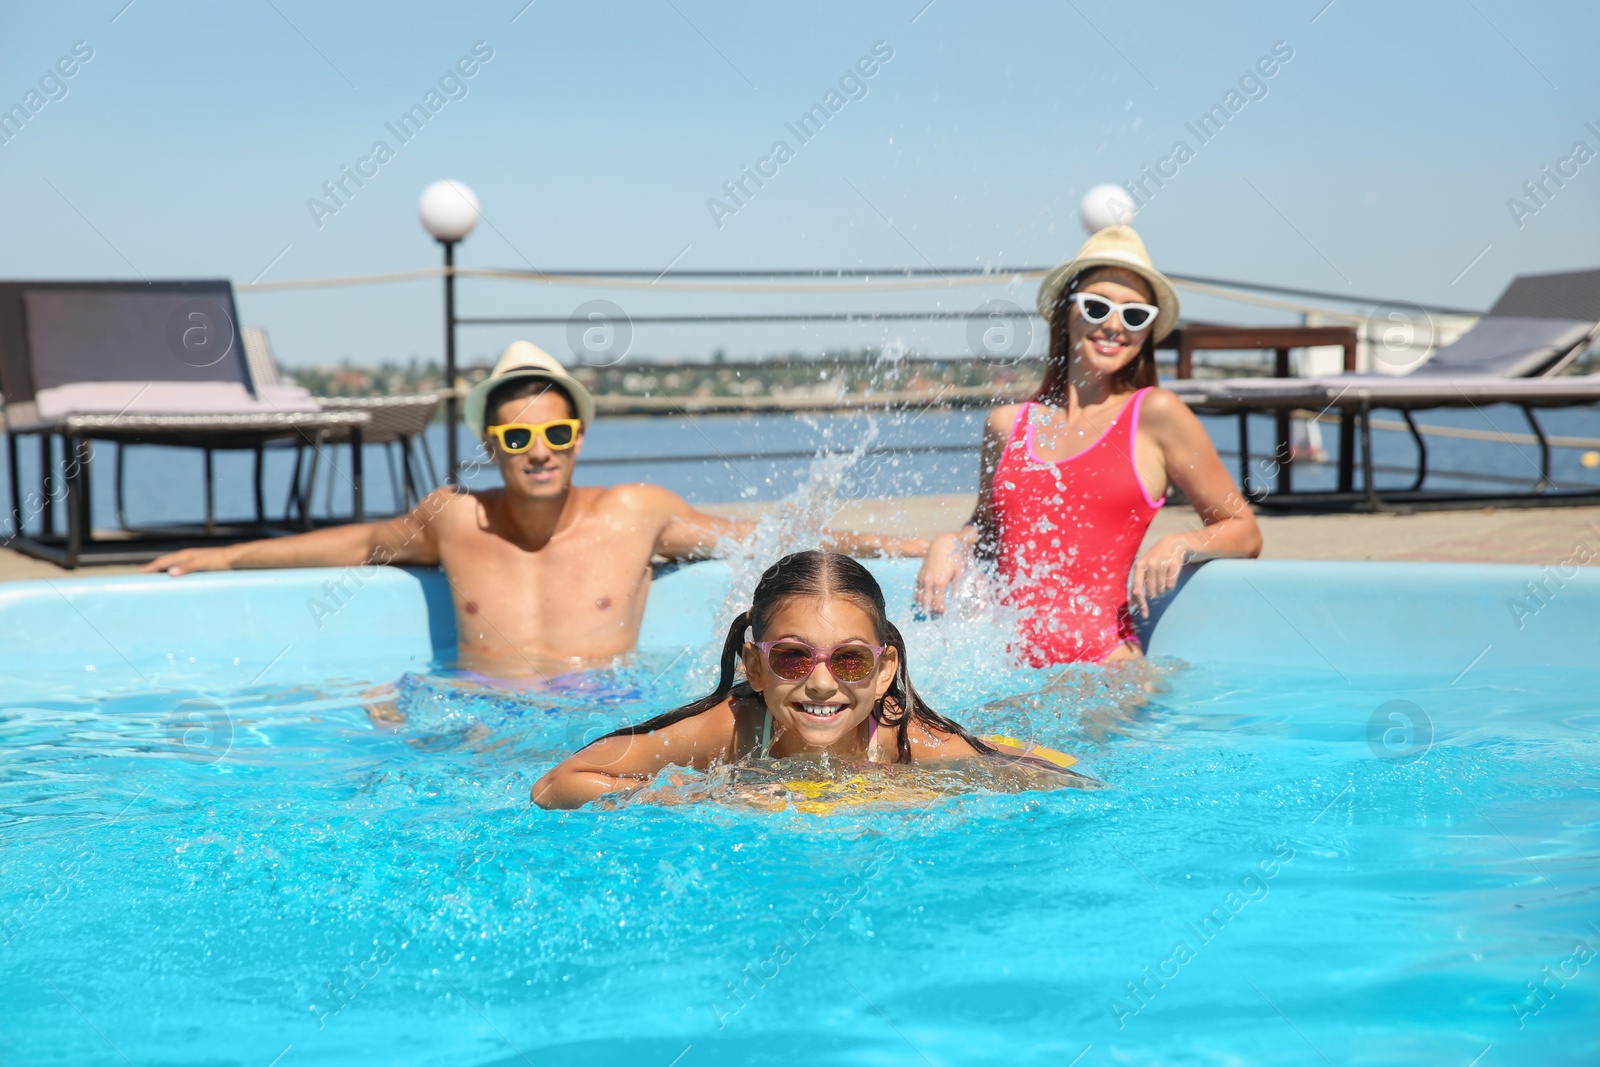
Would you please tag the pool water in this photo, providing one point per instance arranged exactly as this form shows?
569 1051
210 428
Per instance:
1292 867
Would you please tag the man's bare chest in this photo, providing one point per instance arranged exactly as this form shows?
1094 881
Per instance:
605 562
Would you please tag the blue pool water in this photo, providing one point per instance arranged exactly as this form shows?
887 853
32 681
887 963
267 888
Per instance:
209 862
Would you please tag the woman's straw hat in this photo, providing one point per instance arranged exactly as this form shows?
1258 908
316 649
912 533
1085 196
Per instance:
524 359
1114 246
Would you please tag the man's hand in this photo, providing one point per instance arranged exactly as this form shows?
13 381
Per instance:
872 545
1156 574
189 560
945 561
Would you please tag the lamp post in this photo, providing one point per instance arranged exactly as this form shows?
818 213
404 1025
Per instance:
449 211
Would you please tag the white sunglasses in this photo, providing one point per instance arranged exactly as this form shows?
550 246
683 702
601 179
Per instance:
1097 309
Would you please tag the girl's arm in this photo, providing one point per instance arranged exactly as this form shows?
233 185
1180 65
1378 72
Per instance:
1192 464
1010 766
629 762
948 554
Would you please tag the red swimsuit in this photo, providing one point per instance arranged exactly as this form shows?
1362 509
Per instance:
1069 532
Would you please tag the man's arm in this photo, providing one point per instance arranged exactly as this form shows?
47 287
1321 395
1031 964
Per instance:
690 534
871 544
407 539
683 532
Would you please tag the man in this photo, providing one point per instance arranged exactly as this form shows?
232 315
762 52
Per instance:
546 576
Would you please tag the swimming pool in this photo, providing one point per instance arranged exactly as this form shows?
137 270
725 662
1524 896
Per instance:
1360 829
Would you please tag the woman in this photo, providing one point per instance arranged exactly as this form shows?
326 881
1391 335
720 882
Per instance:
825 675
1070 480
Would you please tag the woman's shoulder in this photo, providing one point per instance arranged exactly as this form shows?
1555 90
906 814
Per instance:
1003 418
1162 409
1157 394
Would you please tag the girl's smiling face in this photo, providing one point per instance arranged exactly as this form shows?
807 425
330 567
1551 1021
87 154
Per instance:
819 713
1104 348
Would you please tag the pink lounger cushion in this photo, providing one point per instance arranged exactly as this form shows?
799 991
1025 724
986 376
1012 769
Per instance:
169 398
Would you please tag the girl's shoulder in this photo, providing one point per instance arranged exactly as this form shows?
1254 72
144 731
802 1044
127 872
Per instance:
930 743
744 714
710 734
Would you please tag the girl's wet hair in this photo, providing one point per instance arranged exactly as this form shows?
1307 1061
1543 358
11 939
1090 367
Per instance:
816 575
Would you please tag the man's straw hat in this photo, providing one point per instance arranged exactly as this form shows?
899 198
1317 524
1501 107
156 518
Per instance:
524 359
1114 246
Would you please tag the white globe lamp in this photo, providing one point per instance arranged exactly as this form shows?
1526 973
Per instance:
1106 205
448 210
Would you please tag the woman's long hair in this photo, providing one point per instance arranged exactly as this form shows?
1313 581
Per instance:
1138 374
815 575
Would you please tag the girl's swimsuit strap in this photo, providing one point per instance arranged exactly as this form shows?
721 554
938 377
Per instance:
766 734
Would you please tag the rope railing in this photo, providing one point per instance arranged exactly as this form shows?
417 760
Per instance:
816 316
644 281
831 280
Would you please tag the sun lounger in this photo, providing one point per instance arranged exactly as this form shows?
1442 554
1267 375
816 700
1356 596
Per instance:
1540 324
1360 394
137 363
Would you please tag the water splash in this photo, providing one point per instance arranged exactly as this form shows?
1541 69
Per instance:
796 523
821 785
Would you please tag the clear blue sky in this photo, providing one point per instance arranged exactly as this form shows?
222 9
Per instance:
1379 161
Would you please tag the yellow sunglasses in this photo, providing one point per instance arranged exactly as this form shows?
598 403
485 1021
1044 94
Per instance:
517 437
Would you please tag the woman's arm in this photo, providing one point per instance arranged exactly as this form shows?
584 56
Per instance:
948 554
1192 464
628 763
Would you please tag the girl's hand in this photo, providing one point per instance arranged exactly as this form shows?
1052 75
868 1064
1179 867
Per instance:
1156 574
669 788
945 561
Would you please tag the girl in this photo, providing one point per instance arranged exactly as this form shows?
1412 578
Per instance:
1070 480
825 675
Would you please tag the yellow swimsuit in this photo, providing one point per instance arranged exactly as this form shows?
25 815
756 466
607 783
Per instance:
862 789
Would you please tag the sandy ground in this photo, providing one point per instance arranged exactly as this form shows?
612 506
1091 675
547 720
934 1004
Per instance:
1530 535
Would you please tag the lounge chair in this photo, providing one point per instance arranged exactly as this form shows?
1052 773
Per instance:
138 363
1513 355
399 421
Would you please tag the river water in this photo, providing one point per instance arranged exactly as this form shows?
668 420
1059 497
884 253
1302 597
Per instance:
718 459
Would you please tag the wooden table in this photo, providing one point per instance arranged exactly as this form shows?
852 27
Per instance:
1280 339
